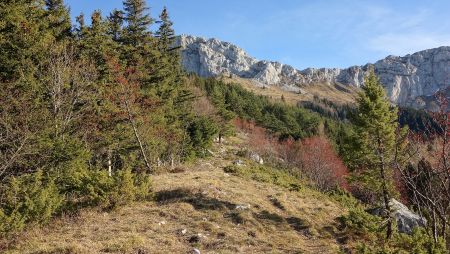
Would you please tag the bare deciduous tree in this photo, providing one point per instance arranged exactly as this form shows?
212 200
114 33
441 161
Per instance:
428 183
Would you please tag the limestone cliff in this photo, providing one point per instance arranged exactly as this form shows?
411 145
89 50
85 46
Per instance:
410 80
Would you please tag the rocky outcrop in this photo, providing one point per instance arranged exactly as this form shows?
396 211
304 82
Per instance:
256 158
406 219
406 78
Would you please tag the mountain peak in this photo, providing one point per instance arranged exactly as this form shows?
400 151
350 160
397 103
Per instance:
405 78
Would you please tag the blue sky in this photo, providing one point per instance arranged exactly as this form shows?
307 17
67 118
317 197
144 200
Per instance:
319 33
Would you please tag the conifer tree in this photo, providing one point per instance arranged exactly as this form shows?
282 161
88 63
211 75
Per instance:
58 18
139 47
165 33
138 21
23 37
374 144
97 44
81 25
115 19
167 78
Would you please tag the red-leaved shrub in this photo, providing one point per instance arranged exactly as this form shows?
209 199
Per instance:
313 158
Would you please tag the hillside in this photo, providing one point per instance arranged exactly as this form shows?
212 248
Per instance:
200 207
337 93
110 144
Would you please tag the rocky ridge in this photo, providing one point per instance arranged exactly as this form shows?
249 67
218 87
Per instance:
409 80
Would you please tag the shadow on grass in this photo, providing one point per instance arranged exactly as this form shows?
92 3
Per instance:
277 203
338 231
268 216
235 217
298 224
197 200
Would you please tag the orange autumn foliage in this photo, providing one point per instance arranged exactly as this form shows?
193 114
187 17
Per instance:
314 158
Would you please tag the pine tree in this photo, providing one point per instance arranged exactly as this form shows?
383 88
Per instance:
167 78
374 144
137 32
115 19
58 18
23 38
81 25
165 33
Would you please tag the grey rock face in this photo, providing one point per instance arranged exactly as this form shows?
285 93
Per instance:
406 219
405 78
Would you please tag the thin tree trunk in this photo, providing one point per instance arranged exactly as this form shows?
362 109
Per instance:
109 163
136 135
385 190
434 227
387 206
444 229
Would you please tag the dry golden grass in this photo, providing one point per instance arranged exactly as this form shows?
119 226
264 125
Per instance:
336 93
200 207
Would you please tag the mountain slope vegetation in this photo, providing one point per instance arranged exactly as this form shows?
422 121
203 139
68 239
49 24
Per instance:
108 146
201 206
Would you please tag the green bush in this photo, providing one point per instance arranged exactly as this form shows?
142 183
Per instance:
35 198
417 243
359 224
30 198
367 230
84 187
345 198
420 243
130 187
144 190
201 132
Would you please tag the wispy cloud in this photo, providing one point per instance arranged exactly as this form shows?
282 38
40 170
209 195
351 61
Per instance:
320 33
366 27
406 43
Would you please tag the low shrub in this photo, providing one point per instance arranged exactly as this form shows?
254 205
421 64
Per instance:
130 187
368 231
31 198
34 198
360 225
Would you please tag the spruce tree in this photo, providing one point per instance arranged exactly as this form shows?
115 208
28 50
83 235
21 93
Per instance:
58 18
138 22
167 78
374 144
115 20
23 38
81 25
165 33
139 49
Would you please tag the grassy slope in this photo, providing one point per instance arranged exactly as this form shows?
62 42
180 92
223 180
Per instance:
338 94
197 208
